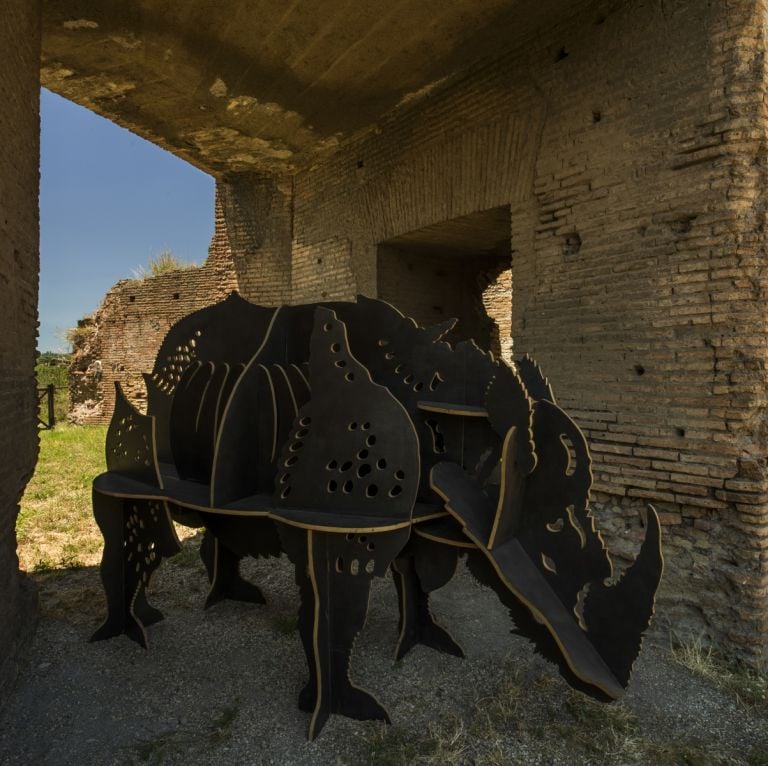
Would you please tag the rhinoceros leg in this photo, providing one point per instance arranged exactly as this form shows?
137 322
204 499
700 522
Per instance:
223 567
424 567
138 534
334 572
227 541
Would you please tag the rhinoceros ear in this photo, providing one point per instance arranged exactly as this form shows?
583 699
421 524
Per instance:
509 406
436 332
534 379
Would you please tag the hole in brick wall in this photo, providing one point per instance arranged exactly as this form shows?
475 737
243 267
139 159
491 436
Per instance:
319 261
680 432
683 224
639 369
132 298
572 244
360 164
462 268
561 54
176 296
597 115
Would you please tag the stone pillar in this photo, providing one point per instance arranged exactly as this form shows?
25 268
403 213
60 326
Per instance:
19 241
258 214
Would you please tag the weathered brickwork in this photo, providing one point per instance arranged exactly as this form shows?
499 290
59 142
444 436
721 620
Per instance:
630 146
258 210
654 332
19 174
126 331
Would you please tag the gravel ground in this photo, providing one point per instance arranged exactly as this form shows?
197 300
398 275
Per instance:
220 686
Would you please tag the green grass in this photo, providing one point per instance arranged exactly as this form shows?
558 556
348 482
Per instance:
164 262
55 528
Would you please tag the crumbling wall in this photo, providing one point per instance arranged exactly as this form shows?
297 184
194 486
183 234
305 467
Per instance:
121 339
19 227
629 143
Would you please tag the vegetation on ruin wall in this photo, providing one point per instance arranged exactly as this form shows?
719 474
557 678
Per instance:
52 369
163 263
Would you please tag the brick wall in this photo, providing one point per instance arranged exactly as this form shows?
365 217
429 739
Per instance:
258 210
654 332
629 143
19 174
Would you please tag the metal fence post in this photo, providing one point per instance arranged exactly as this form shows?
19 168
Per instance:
51 412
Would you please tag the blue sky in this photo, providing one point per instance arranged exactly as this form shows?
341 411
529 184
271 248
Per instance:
109 201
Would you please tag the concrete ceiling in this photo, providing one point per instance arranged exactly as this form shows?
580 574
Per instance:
267 85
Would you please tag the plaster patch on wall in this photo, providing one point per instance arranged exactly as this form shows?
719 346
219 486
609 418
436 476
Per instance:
329 144
219 88
80 24
101 86
56 73
223 143
415 95
129 42
249 105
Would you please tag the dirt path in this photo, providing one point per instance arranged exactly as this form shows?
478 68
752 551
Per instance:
220 687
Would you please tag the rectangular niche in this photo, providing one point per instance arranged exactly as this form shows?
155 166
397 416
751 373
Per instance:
457 268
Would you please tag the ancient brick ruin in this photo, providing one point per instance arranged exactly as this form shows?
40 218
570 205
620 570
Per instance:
122 337
621 142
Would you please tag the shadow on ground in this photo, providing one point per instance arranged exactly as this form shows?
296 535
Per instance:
220 687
